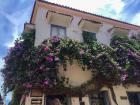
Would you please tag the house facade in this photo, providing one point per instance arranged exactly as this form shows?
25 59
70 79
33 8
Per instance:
49 19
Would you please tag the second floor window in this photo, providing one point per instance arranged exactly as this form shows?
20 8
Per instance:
88 37
58 31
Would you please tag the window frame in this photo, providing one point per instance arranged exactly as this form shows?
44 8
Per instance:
57 26
89 32
132 92
97 96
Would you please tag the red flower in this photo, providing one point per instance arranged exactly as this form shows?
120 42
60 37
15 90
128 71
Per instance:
49 58
46 49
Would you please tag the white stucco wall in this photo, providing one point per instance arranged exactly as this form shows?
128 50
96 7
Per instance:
73 31
103 36
42 26
121 92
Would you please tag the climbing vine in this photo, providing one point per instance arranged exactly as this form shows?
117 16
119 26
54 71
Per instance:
127 55
27 66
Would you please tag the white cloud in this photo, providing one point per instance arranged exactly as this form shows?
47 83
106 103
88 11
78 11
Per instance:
109 8
17 19
8 98
136 19
1 62
9 95
1 82
15 36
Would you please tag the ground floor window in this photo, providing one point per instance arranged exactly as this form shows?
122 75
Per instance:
99 98
134 98
94 99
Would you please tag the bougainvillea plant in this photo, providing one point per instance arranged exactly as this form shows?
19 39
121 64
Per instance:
28 66
127 55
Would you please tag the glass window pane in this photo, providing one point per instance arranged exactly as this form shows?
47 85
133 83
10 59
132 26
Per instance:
105 98
61 32
139 97
54 31
58 31
99 98
133 98
88 37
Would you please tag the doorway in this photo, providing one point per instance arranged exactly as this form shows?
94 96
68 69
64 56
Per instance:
57 100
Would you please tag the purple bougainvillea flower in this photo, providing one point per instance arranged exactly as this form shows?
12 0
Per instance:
28 85
51 54
123 77
46 83
90 61
129 53
55 39
46 49
18 45
56 58
49 58
11 49
58 49
6 59
109 65
81 52
41 67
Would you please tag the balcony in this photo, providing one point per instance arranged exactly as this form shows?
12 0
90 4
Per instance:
120 31
28 27
59 18
89 25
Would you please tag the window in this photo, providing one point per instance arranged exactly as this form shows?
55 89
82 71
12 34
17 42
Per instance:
99 98
134 98
88 37
58 100
58 31
80 101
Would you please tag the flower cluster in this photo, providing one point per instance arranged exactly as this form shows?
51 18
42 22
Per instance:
55 39
28 66
49 58
27 85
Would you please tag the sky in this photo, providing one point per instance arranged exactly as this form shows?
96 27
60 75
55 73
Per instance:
14 13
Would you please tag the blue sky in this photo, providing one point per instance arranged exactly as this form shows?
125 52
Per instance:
14 13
